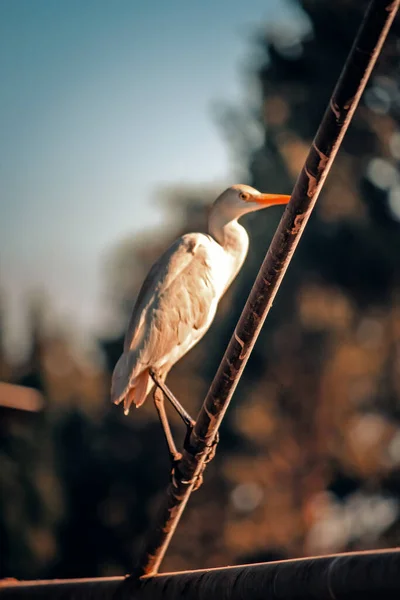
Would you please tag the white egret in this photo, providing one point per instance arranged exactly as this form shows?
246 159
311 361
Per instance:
179 297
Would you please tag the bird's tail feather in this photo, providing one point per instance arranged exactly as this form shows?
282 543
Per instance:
127 389
121 377
138 391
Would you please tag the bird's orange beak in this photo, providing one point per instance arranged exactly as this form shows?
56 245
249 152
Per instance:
271 199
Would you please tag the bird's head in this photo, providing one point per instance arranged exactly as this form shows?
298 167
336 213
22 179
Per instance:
241 199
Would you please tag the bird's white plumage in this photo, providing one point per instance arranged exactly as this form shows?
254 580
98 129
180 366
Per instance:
179 297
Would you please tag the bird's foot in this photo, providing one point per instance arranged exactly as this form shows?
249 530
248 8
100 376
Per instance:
211 450
199 481
210 453
175 459
196 481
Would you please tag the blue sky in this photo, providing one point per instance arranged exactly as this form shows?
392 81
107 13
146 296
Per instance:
99 104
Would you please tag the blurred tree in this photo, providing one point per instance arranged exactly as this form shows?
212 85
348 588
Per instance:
29 501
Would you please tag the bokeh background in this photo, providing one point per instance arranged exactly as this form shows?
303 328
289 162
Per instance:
120 123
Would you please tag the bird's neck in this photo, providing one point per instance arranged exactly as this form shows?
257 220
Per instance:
230 235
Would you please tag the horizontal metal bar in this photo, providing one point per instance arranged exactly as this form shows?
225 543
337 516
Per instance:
353 576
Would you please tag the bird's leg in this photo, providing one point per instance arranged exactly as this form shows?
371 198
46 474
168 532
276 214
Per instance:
160 407
184 415
189 422
212 448
209 452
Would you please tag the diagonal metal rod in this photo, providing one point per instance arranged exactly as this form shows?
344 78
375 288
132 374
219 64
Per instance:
335 122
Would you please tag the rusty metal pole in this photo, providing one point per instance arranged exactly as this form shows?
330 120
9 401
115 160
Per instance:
325 146
353 576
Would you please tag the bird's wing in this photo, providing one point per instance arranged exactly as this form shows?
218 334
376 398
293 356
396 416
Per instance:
176 297
174 308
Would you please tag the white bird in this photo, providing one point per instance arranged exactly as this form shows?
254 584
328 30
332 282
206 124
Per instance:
179 297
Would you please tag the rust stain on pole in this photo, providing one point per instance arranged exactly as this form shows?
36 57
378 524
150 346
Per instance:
335 122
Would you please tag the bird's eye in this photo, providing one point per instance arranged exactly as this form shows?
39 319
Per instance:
244 196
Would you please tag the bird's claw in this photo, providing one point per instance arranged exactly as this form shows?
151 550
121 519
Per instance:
212 449
175 459
196 481
210 453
